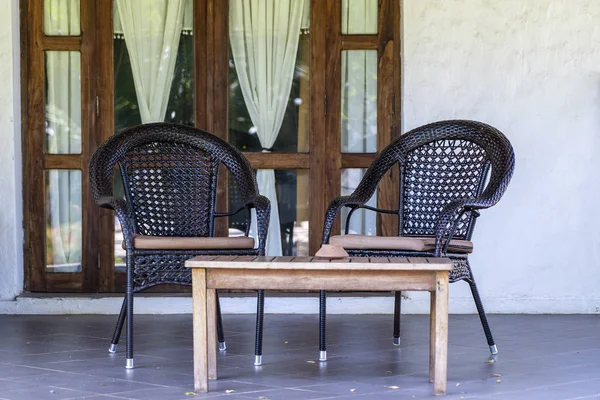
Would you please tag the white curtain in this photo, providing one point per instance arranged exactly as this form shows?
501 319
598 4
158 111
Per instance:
359 105
264 38
152 29
63 136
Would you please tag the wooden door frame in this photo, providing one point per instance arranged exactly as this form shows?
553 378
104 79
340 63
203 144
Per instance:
211 53
36 162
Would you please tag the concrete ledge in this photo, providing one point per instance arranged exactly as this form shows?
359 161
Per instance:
417 303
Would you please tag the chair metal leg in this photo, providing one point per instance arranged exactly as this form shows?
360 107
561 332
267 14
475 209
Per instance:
260 310
220 334
397 308
482 317
117 333
129 316
322 326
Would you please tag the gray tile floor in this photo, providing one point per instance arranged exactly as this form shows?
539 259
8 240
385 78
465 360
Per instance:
65 357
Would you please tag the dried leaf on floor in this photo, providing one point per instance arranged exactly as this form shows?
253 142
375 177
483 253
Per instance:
498 381
191 394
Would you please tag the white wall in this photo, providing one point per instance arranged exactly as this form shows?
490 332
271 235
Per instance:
531 68
11 263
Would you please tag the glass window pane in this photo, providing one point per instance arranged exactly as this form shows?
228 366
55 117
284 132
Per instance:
139 96
63 102
157 84
359 101
251 110
359 17
362 221
61 18
63 220
292 193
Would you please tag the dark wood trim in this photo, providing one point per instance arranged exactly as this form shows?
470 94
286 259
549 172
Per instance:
63 161
64 282
105 122
201 64
360 42
278 160
387 115
217 90
90 256
25 57
357 160
33 144
65 43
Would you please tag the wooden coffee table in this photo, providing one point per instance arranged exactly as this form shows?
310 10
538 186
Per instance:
314 273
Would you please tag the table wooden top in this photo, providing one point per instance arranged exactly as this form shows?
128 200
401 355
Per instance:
322 263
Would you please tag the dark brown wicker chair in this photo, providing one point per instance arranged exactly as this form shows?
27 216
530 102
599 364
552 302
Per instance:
168 213
448 171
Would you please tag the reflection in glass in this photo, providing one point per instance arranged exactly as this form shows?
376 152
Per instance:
362 221
292 193
63 220
359 101
359 17
63 102
61 18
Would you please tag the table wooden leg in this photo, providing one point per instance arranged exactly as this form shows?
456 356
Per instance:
441 334
200 330
432 329
211 313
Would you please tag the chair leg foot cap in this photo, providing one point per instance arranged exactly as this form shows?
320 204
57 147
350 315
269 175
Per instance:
396 341
129 363
494 349
323 355
112 348
222 346
257 360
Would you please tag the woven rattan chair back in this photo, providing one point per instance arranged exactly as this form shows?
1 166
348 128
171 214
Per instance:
441 163
170 176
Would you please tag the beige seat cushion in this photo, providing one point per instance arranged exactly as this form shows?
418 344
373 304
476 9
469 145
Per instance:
408 243
190 243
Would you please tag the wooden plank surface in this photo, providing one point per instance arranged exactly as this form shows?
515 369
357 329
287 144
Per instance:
200 327
440 321
318 263
324 279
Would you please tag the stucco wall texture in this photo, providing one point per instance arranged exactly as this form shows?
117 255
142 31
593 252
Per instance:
531 68
11 265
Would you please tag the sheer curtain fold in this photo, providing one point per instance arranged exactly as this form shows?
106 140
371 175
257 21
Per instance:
359 105
63 135
264 37
152 29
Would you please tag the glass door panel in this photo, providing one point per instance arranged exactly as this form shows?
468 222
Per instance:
63 102
61 18
359 17
269 103
362 221
359 101
63 220
153 73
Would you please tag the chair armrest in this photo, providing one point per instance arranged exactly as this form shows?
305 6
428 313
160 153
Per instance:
450 217
333 210
263 215
121 208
